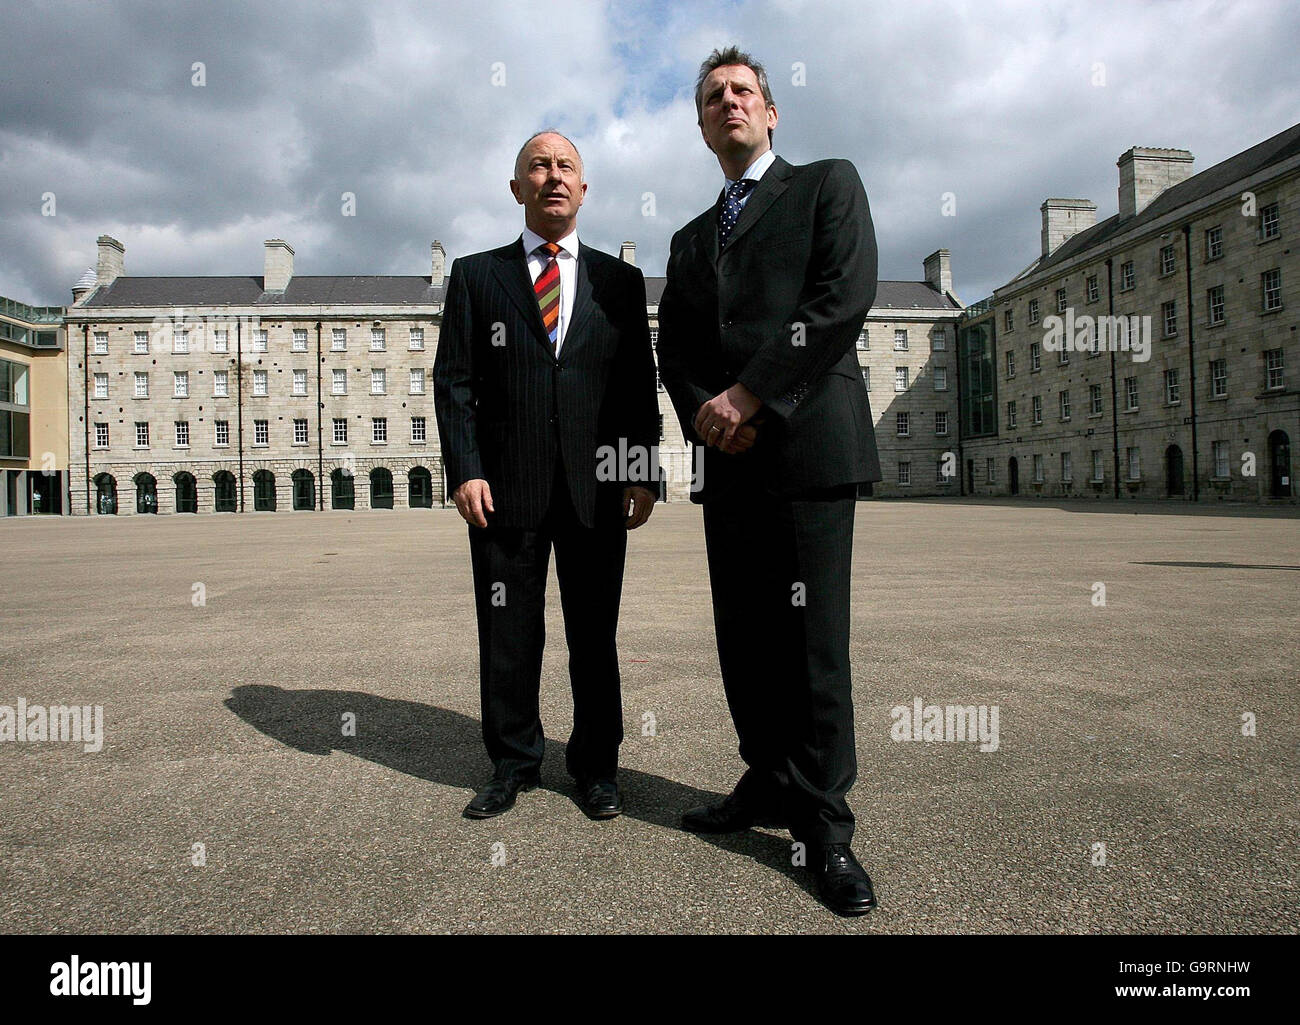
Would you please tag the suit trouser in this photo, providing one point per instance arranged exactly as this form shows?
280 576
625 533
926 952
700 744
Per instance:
510 567
780 571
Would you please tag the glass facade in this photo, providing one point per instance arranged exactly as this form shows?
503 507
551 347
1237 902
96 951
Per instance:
979 397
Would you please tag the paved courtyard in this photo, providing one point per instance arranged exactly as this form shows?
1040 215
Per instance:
228 653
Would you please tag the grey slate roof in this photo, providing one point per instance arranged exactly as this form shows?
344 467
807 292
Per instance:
1271 151
896 295
337 290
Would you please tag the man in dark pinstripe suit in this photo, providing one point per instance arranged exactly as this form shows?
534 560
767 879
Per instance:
544 387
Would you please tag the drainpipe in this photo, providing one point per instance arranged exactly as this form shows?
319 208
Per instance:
1191 360
320 451
239 392
1114 401
85 392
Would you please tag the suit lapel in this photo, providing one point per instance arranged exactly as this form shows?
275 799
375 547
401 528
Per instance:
766 192
709 238
512 271
582 302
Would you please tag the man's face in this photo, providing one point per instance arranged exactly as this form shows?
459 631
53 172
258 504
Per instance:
733 116
548 183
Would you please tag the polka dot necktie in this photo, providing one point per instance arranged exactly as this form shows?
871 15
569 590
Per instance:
732 207
547 288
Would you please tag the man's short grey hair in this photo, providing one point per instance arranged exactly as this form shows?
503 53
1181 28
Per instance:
731 55
519 159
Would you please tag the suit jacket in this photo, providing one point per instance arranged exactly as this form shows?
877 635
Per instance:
508 410
779 309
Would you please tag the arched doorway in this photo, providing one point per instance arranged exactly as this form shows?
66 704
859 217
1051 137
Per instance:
304 489
419 484
146 493
187 492
1174 472
1013 475
381 488
223 482
264 491
341 490
1279 464
106 495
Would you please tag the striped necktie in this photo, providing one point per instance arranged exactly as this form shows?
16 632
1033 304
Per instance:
732 207
547 288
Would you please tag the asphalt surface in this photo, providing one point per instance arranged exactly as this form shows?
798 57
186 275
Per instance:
1118 725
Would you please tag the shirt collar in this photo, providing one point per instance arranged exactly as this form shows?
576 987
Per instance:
757 168
568 244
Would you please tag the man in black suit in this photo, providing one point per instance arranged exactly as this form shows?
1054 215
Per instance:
766 294
544 386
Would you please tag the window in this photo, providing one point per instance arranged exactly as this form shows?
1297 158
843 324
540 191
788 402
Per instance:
101 343
339 339
1127 277
1094 399
661 427
1062 355
339 382
259 382
1213 243
940 342
1094 293
1067 467
180 340
941 475
379 429
377 382
101 386
376 339
866 377
1008 320
300 382
941 421
1171 387
900 339
141 384
141 435
300 431
220 384
1271 283
418 432
1169 318
900 379
1060 300
904 473
990 471
299 339
654 337
180 384
1011 364
1038 469
1035 357
864 343
1098 467
1033 311
1221 468
259 341
659 382
1270 226
182 434
903 424
221 434
1130 393
940 378
340 430
1167 263
1218 378
101 435
417 382
261 432
1273 368
1011 416
1037 409
142 343
1064 403
417 338
1214 302
220 341
1134 463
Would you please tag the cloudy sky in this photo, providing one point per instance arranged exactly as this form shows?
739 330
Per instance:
417 109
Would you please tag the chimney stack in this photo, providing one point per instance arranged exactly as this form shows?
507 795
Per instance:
439 264
1145 173
279 265
938 271
111 260
1063 218
627 253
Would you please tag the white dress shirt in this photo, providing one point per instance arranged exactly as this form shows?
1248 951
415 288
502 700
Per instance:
755 171
567 259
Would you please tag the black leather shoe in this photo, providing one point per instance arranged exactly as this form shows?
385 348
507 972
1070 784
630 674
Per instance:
731 815
600 799
497 797
842 883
